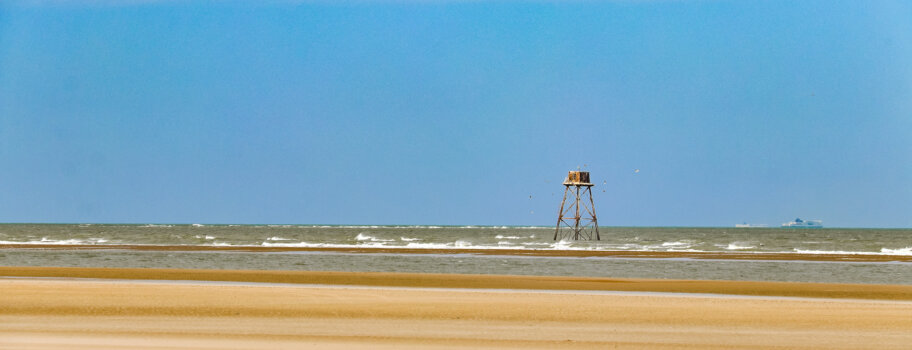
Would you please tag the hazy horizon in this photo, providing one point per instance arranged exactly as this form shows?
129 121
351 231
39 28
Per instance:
770 226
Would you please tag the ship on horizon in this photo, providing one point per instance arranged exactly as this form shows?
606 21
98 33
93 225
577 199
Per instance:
798 223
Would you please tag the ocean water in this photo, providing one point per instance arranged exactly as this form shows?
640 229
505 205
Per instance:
685 239
759 240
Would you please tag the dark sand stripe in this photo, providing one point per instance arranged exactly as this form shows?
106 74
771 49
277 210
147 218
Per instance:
790 289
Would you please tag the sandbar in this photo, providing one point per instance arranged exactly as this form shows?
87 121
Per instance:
429 280
45 312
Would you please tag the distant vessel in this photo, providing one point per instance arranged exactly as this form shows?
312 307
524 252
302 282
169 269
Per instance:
746 225
798 223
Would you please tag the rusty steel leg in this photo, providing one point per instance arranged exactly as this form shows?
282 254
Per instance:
594 219
576 228
560 214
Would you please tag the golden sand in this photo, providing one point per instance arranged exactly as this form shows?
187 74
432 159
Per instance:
519 252
92 314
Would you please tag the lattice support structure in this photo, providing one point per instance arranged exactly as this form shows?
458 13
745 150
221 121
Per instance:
576 219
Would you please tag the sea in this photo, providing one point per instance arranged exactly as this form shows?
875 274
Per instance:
441 239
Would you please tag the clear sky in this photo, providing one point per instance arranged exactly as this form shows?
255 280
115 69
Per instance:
455 112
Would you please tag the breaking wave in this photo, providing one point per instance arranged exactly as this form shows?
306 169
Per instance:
364 237
737 246
45 240
826 241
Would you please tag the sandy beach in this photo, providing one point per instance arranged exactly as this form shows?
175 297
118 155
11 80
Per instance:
136 308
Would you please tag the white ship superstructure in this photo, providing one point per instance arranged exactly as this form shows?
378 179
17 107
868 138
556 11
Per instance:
798 223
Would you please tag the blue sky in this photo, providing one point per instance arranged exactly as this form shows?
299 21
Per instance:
455 112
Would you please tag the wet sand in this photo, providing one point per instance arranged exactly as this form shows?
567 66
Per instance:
516 252
75 313
427 280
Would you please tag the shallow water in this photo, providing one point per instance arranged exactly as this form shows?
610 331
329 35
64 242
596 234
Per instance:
859 241
795 271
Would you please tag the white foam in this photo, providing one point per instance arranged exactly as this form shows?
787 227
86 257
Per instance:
275 238
197 225
457 244
410 245
626 246
900 251
508 237
372 245
428 245
806 251
363 237
46 241
562 244
406 239
306 245
736 246
463 244
207 237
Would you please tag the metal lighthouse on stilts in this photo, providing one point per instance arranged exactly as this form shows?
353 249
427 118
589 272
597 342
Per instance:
576 219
